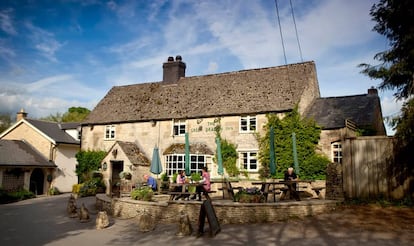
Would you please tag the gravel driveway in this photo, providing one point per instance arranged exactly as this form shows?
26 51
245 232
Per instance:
43 221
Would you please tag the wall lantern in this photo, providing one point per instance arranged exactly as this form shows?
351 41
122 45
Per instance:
115 152
104 166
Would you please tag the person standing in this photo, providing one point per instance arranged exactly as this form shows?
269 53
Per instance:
206 187
290 175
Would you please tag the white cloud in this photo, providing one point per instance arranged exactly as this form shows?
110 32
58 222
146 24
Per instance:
6 21
44 41
212 67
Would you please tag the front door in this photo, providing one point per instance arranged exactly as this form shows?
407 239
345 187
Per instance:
37 179
117 168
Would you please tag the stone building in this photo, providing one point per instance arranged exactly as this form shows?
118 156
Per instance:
159 114
51 161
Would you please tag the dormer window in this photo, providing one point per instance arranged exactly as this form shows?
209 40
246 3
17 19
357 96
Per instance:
109 132
248 124
179 128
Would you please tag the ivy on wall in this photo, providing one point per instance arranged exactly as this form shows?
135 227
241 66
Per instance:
88 161
228 152
311 164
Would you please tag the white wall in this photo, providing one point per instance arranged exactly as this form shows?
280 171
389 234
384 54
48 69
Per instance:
65 176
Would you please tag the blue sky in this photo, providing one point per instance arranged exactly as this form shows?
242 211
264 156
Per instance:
62 53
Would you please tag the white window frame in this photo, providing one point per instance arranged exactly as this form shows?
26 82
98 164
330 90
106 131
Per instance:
248 156
248 119
176 162
336 152
110 132
180 124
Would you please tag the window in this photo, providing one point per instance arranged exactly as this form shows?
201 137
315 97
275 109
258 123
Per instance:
179 128
336 152
248 123
110 132
248 161
176 162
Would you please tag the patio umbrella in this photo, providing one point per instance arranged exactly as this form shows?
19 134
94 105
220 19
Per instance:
272 164
187 155
295 154
156 167
219 157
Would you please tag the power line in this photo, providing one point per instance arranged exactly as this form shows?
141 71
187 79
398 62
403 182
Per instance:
280 30
296 30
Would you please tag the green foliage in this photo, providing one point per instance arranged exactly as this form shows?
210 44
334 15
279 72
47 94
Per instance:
311 165
249 195
74 114
5 122
164 177
125 175
174 177
142 194
53 191
90 187
88 161
228 153
76 188
396 68
195 177
14 196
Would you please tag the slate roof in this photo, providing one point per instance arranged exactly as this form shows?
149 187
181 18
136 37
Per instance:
54 131
18 153
69 125
331 112
264 90
133 153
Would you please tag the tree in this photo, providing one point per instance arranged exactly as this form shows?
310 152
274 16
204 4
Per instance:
311 164
74 114
5 122
394 20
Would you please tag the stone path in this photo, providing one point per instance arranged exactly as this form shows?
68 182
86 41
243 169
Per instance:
43 221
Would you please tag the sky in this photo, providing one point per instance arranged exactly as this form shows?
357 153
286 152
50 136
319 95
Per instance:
57 54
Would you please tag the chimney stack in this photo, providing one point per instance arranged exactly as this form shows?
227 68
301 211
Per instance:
21 115
173 70
372 91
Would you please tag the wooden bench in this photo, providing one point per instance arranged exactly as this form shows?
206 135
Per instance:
318 191
175 193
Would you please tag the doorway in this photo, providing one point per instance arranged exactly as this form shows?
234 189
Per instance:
117 168
37 180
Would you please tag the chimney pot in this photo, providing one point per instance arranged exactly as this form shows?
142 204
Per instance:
372 91
173 70
21 115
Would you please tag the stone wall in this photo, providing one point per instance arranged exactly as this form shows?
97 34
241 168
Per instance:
227 212
334 182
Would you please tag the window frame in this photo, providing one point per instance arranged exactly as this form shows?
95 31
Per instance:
179 124
249 159
336 152
176 162
248 119
110 132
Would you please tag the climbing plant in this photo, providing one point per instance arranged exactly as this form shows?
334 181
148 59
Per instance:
311 164
228 153
88 161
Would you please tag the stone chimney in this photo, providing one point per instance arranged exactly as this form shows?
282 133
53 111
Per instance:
372 91
21 115
173 70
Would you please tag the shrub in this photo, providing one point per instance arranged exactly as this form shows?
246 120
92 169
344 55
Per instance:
76 188
53 191
142 194
195 177
14 196
249 195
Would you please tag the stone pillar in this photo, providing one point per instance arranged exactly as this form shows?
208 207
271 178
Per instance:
334 183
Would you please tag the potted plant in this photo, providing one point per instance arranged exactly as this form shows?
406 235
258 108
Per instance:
125 175
165 182
195 177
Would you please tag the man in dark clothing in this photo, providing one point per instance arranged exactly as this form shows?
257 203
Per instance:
290 175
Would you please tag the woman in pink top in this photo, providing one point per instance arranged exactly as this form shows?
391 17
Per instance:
206 184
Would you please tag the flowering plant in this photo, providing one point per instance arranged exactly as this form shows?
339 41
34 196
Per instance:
249 195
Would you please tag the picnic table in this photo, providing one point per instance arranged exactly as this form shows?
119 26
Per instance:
185 191
227 188
278 187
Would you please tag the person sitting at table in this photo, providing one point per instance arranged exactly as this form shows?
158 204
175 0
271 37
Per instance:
151 182
180 180
206 187
290 175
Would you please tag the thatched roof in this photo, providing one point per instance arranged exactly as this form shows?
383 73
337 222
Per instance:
274 89
195 148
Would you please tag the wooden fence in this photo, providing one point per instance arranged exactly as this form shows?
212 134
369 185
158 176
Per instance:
366 167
